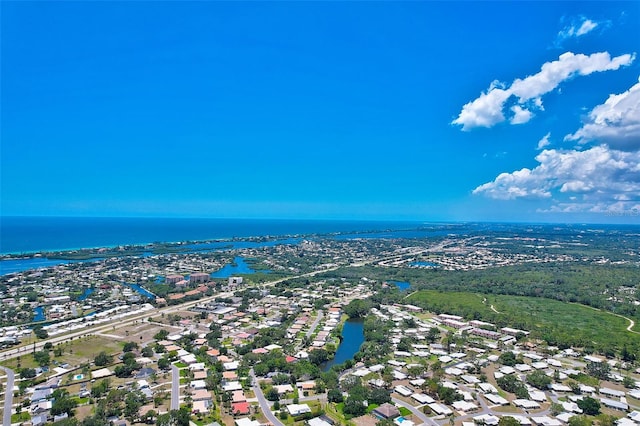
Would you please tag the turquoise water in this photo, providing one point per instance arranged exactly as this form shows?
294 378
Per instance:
141 290
402 285
240 267
34 234
87 292
352 339
38 314
424 264
10 266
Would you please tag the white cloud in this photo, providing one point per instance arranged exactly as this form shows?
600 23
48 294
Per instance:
520 115
598 175
577 28
616 122
487 109
587 26
544 142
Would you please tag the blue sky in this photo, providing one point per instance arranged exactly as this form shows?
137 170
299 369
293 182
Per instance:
519 111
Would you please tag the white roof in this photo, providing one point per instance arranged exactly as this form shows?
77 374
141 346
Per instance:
546 421
317 421
403 390
422 398
245 421
464 406
496 399
525 403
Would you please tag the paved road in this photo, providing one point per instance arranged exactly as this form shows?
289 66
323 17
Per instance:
175 388
315 324
419 414
8 397
264 404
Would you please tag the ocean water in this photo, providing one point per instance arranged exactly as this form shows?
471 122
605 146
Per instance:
35 234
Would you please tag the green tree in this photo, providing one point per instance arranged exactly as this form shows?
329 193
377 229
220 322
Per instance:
163 363
358 308
102 359
510 383
318 356
42 358
508 421
589 406
27 373
628 382
507 358
379 396
334 395
62 403
354 406
272 394
599 370
539 380
130 346
161 335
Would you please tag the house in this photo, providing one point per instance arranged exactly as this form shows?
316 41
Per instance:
318 421
240 407
496 399
422 398
403 390
545 421
440 409
245 421
297 409
201 395
464 406
386 411
199 407
616 405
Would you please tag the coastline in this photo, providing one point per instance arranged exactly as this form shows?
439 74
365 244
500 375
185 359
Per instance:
29 236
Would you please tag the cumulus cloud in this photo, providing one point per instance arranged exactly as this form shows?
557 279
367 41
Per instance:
488 109
544 142
597 175
520 115
577 28
616 122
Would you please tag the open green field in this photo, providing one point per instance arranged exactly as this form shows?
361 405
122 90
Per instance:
558 323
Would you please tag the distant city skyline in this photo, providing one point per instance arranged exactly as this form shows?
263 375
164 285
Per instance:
425 111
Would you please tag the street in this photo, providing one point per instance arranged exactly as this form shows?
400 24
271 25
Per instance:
8 397
264 404
175 388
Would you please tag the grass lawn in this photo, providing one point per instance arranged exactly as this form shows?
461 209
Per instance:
334 411
20 417
180 364
404 411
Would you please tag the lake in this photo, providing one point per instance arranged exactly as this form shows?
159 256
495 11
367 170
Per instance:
38 314
352 339
402 285
87 292
239 266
